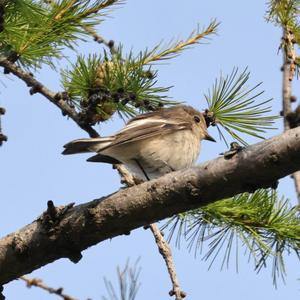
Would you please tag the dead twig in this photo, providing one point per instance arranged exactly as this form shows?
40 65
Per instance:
39 283
110 44
165 251
163 246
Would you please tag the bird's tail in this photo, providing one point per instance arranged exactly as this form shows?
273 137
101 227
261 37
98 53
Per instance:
87 145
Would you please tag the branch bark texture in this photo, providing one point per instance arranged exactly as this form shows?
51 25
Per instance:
165 251
289 70
257 166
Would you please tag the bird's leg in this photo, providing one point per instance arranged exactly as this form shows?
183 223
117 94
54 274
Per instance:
141 167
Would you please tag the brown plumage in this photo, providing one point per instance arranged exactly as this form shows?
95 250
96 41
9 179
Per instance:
151 144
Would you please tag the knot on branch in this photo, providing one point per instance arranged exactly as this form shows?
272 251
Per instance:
13 57
293 117
52 217
20 247
36 88
178 293
50 221
2 111
235 147
62 96
3 137
210 118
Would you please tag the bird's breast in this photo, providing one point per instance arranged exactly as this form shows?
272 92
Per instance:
169 153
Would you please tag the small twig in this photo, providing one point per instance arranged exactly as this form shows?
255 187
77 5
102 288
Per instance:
97 38
163 247
55 98
39 283
110 44
289 67
165 251
101 6
194 38
126 176
65 9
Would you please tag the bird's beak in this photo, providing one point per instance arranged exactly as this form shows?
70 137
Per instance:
209 138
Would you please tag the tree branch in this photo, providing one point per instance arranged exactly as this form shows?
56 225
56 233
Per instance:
289 69
55 98
40 243
165 251
39 283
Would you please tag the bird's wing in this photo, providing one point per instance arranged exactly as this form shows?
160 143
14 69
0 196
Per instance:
144 128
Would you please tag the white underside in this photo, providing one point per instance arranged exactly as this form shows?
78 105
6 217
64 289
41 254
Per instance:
158 156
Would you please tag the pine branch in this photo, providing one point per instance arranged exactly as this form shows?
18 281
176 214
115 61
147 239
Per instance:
100 86
35 34
55 98
110 44
286 15
101 5
289 67
234 106
266 226
257 166
173 50
91 31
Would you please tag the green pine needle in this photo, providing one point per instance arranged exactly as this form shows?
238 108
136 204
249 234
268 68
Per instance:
127 75
37 33
283 12
265 226
79 81
174 49
235 108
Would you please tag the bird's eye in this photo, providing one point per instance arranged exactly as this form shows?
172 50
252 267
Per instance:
197 119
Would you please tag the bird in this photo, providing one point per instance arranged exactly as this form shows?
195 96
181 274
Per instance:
151 144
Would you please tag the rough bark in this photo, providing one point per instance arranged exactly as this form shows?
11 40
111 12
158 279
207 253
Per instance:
257 166
289 71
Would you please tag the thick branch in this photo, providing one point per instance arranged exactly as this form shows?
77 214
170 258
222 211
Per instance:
257 166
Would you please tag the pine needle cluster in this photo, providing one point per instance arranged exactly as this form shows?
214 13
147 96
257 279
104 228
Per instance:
98 86
236 107
35 32
267 227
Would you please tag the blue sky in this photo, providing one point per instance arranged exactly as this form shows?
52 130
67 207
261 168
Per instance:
33 170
